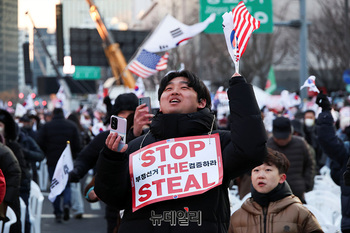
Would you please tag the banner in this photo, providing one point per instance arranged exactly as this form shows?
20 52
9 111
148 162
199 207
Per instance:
60 176
175 168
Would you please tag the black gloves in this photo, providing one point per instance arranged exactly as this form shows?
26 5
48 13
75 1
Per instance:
73 177
347 177
323 101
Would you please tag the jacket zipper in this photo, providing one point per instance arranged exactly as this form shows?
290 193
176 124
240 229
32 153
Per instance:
265 216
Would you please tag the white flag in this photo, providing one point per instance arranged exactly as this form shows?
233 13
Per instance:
311 84
60 176
20 110
29 103
171 33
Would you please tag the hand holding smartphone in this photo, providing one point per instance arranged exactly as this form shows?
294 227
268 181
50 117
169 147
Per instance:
118 125
147 101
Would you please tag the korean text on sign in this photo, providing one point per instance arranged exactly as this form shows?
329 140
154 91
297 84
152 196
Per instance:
175 168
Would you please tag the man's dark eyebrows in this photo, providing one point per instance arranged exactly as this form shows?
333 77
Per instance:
185 82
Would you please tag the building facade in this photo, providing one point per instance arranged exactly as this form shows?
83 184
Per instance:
8 49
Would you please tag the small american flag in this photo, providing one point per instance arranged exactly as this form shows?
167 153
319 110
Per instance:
147 64
244 25
163 62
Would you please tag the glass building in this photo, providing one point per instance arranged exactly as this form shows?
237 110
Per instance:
8 49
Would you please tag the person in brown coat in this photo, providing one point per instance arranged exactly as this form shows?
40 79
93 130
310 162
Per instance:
273 207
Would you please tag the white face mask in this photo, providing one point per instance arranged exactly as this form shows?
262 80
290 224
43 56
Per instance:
2 130
309 122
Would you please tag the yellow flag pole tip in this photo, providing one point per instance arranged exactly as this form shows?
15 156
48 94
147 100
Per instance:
68 142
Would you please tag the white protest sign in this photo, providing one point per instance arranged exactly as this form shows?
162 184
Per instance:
175 168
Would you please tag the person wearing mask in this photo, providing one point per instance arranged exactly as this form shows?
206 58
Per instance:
124 106
9 134
311 138
30 148
12 173
184 115
52 139
273 207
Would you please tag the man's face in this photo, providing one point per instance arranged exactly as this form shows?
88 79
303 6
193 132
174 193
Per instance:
283 142
309 115
266 177
178 97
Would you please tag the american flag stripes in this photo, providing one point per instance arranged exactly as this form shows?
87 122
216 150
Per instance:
238 25
147 63
163 62
244 25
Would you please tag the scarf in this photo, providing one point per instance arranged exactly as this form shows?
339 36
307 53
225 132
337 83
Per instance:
263 199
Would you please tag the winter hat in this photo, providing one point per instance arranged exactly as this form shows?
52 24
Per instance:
10 127
282 128
24 118
298 127
126 101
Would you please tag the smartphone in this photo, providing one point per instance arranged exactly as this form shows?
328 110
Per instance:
118 124
147 101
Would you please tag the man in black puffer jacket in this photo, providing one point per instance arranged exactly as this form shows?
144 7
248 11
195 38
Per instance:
184 117
52 139
339 153
301 173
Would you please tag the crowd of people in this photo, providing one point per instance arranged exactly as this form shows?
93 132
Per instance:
192 160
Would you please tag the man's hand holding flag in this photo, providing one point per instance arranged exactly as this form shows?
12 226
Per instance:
61 174
238 25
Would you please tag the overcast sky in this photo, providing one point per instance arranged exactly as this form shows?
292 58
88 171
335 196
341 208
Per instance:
42 12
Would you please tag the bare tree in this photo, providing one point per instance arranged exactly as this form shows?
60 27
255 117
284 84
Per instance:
328 45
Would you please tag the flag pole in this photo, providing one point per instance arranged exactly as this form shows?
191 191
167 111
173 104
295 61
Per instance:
236 54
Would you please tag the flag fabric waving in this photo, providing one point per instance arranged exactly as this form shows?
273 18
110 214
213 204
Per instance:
271 85
29 103
139 88
20 110
171 33
60 176
147 63
311 84
163 62
238 25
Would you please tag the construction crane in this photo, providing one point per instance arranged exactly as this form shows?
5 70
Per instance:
112 50
42 42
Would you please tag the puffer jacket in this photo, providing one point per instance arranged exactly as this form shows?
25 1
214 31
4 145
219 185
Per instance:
242 148
285 215
301 172
12 172
53 137
339 152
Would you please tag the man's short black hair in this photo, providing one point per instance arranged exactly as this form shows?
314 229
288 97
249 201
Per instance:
194 82
311 111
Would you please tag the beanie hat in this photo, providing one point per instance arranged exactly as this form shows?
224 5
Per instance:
126 101
281 127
